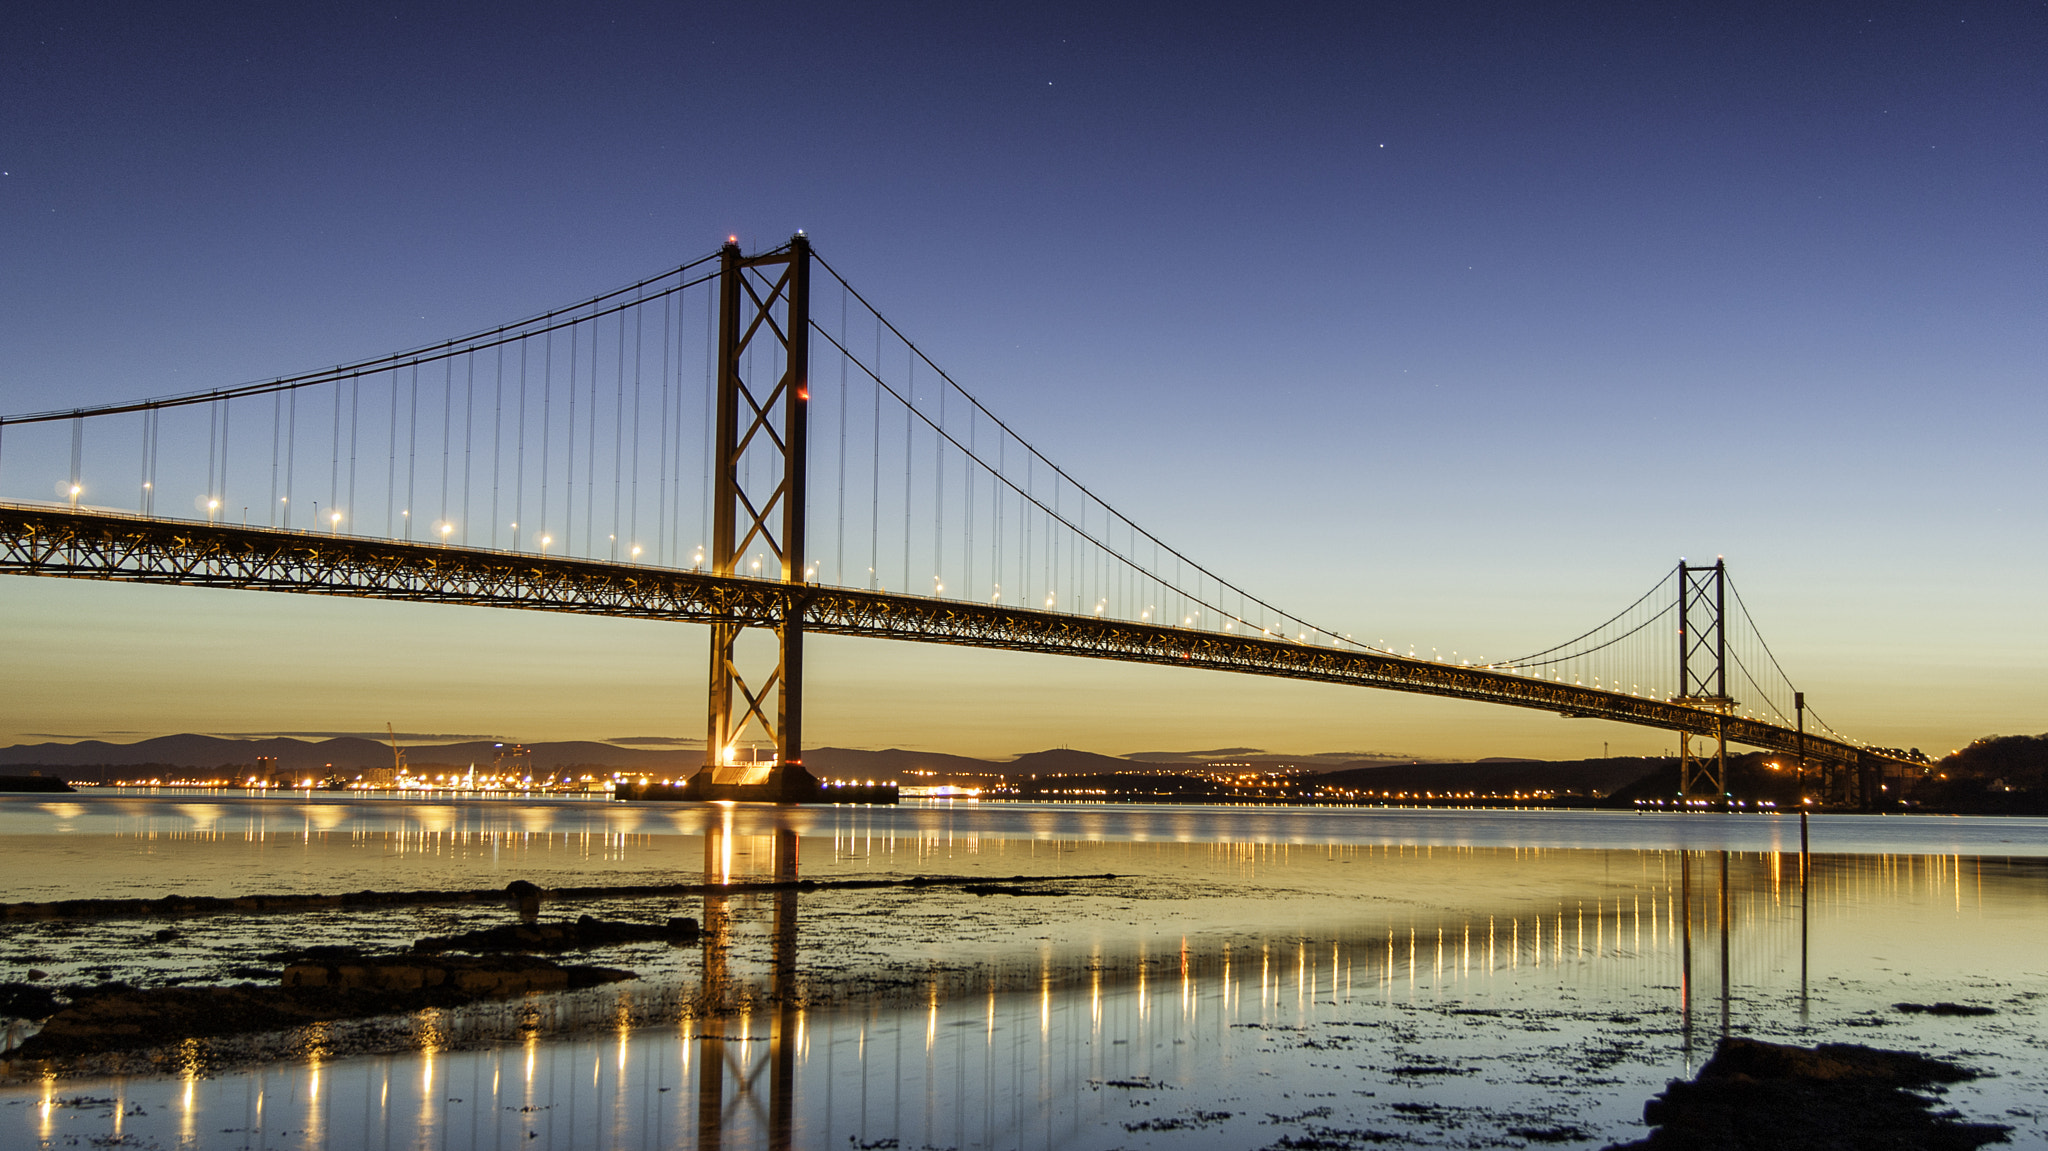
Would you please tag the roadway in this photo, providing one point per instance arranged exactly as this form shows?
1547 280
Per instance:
58 541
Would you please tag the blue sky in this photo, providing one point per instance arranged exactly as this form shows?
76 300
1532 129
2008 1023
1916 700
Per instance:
1444 325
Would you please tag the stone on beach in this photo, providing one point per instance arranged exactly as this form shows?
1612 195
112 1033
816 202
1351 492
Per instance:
1835 1097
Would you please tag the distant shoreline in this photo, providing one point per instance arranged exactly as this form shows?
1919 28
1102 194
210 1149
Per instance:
1581 804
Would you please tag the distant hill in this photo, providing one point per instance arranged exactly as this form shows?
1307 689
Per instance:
1066 761
897 764
346 753
1263 760
1133 784
1999 774
1589 777
1593 777
1751 778
354 753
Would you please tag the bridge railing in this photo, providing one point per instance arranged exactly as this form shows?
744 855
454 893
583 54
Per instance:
52 540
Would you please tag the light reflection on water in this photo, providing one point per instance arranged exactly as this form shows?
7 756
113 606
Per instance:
224 843
1436 978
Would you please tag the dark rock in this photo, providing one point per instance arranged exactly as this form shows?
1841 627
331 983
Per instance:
321 953
167 934
1943 1008
1835 1097
27 1001
1562 1134
526 897
1011 889
37 974
584 932
496 978
115 1017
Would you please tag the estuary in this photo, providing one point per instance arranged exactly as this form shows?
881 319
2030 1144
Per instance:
1248 977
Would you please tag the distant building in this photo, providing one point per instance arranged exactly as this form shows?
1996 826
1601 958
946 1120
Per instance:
511 761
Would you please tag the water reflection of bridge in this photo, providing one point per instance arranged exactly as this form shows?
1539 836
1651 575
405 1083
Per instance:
1689 943
723 1057
775 1029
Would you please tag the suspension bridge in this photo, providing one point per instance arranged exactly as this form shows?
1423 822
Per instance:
711 446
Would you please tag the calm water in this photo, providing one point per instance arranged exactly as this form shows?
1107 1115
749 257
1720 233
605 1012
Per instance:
1254 977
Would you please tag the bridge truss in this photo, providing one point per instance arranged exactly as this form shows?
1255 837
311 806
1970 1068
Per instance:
56 541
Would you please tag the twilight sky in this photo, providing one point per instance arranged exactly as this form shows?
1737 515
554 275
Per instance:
1445 326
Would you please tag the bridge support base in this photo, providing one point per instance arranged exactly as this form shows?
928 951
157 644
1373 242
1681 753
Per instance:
799 786
788 784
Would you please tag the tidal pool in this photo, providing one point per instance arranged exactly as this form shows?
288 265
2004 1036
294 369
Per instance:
1252 977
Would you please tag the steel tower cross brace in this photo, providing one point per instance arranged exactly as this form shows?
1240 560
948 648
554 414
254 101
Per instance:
764 307
1703 674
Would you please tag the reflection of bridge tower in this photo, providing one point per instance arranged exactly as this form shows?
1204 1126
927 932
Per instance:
1703 675
721 1057
762 432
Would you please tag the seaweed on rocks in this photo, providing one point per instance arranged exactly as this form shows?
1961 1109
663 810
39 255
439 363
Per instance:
1835 1097
117 1017
1943 1008
28 1001
569 935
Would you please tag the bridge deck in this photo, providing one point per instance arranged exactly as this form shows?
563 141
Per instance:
41 540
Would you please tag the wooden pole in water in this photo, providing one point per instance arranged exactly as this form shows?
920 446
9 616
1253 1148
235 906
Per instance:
1803 1006
1724 944
1685 973
1805 856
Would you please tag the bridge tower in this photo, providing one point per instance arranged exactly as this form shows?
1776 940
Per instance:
757 498
1703 676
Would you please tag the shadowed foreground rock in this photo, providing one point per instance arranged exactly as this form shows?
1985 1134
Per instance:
116 1017
1843 1096
464 979
569 935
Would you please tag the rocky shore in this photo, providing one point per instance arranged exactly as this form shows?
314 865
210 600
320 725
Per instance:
1834 1097
317 989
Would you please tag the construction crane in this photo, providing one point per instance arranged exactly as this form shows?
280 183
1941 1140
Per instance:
397 757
